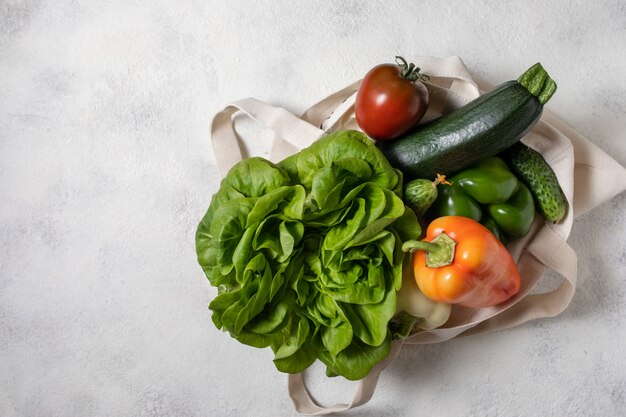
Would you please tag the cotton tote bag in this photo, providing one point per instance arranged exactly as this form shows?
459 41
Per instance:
580 166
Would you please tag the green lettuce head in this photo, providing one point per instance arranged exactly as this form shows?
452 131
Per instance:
306 254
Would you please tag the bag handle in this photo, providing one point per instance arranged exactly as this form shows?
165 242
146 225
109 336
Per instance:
290 131
449 76
323 109
305 404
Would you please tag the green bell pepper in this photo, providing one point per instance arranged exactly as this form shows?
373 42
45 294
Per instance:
490 193
489 181
453 201
515 216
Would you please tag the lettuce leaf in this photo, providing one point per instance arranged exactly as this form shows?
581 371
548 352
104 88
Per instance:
306 254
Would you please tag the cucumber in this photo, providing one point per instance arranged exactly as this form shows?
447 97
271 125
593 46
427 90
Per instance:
534 171
420 194
482 128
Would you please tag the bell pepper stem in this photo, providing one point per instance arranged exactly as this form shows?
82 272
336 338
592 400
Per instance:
439 251
413 245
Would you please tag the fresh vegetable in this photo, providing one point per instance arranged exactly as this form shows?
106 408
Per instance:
515 215
488 181
453 201
306 254
461 262
390 100
535 172
415 310
420 194
482 128
490 193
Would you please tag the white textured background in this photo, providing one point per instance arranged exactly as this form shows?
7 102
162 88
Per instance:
105 170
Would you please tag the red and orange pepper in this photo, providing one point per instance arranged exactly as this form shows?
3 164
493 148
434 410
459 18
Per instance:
461 262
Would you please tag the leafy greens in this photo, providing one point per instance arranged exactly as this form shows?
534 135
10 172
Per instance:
306 254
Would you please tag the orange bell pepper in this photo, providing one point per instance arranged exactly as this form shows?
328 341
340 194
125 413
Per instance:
461 262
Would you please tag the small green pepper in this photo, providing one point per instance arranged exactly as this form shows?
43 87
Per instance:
490 193
453 201
516 215
489 181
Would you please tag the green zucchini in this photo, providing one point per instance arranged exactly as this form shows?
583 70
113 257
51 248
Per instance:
482 128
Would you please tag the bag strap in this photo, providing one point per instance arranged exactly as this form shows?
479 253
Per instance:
323 109
305 404
290 131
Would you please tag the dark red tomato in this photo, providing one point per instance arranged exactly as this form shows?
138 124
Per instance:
390 100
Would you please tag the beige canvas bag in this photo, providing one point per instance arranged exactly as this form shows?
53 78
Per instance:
581 167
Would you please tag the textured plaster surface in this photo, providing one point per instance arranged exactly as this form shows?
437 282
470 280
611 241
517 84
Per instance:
106 168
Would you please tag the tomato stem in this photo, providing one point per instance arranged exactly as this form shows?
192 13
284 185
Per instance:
409 71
